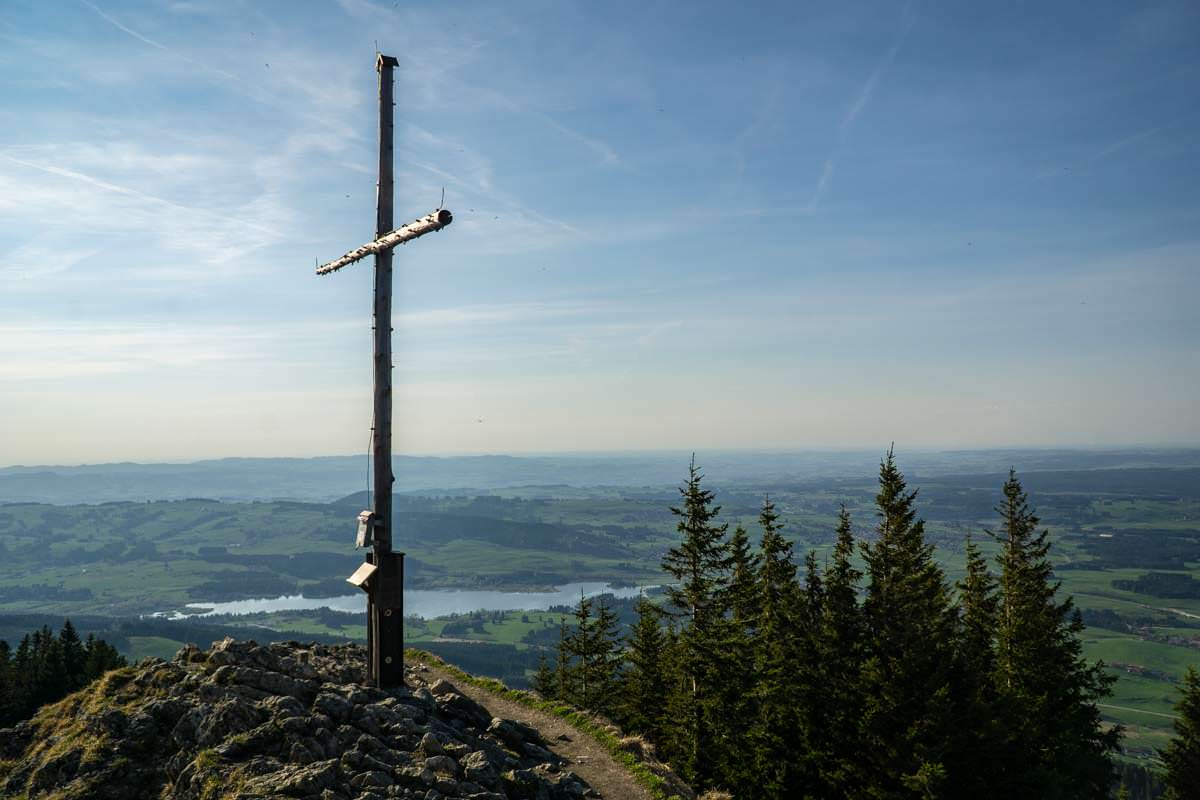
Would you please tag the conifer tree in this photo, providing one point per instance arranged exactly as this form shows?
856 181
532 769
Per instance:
644 682
700 564
99 658
775 647
38 672
544 681
575 646
675 744
811 681
1055 745
734 762
21 690
1182 755
909 658
979 739
562 666
743 588
979 605
74 656
600 659
8 713
49 668
841 643
594 655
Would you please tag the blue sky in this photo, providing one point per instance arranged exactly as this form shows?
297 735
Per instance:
678 225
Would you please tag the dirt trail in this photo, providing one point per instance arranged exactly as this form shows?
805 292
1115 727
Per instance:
585 757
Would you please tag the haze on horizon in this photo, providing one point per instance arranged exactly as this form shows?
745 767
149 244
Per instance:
676 228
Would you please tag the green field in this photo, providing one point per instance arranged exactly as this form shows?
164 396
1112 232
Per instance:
151 647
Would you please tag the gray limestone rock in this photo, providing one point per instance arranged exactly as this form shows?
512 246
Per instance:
333 706
442 765
478 768
284 720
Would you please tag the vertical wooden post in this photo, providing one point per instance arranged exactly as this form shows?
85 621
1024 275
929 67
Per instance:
382 574
385 610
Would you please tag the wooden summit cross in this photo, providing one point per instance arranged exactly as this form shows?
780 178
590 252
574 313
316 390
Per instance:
381 575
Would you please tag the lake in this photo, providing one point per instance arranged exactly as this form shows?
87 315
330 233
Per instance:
426 603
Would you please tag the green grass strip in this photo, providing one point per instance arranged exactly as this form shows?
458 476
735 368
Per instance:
655 785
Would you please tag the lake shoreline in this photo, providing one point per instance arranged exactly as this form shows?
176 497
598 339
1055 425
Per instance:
422 603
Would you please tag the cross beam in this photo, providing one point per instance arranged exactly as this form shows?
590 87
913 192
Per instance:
381 574
418 227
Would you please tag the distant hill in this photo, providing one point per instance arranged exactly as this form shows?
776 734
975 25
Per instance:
328 478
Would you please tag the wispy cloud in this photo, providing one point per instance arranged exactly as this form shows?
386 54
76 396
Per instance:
81 204
121 27
863 97
108 186
159 45
466 159
861 100
822 183
498 314
43 256
1084 165
489 219
65 350
601 148
315 90
1127 141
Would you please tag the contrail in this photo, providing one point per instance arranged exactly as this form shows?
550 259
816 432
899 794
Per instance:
112 187
147 40
864 94
822 183
861 99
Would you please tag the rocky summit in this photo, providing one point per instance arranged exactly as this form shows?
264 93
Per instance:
283 720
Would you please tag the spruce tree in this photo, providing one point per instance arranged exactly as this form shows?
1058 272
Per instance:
811 679
675 745
775 648
21 689
562 665
644 681
8 714
980 736
700 565
49 668
979 604
841 643
1055 744
908 670
1182 755
600 659
593 653
743 589
701 561
735 767
45 668
544 681
575 647
100 657
74 656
